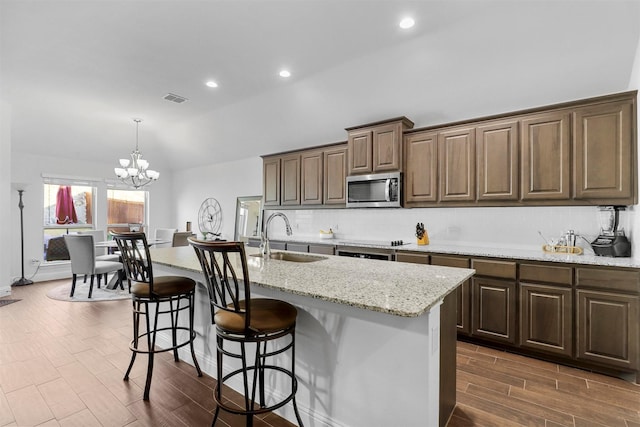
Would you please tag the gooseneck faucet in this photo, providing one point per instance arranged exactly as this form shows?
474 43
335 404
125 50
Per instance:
265 248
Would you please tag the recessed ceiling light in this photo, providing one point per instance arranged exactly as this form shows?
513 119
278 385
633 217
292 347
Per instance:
211 83
285 73
407 23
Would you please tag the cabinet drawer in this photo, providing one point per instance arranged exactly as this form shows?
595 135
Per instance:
450 261
297 247
322 249
547 274
414 258
492 268
610 280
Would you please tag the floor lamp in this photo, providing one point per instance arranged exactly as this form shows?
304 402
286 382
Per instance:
21 281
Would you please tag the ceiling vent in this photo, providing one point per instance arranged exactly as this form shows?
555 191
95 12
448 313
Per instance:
175 98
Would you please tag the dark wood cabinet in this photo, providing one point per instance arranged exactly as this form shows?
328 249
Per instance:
493 300
311 174
290 180
603 154
271 181
608 309
546 156
456 151
335 171
494 309
421 167
546 308
497 160
377 147
607 325
463 292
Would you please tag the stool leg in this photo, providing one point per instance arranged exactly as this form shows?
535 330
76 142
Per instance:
218 389
174 326
151 342
294 380
192 332
136 331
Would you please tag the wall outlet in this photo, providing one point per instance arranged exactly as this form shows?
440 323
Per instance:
34 261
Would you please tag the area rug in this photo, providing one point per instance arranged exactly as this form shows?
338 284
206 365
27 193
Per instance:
4 302
82 291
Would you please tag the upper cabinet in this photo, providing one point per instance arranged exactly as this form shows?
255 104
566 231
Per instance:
376 147
457 163
497 165
603 152
306 178
545 156
575 153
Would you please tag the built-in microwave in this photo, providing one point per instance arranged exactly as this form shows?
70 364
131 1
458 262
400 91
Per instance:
382 190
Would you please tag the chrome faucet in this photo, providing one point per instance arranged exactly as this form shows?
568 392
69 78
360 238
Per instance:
265 249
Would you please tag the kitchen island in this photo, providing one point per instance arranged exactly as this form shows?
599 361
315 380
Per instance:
368 333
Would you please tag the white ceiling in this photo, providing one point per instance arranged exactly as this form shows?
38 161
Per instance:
76 72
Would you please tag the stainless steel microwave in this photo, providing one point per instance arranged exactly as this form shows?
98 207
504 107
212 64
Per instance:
382 190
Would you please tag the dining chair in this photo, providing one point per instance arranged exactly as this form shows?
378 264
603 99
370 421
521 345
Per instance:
83 260
245 324
152 297
164 234
180 238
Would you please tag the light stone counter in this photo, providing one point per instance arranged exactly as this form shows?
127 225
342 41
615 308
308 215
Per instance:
401 289
369 336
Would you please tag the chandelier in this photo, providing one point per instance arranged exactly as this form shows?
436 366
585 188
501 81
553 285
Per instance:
135 172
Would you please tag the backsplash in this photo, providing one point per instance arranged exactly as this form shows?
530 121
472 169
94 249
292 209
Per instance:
505 227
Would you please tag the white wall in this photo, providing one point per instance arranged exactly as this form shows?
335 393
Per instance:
225 182
5 196
28 168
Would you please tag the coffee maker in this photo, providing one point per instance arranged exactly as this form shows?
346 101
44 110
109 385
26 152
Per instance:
611 242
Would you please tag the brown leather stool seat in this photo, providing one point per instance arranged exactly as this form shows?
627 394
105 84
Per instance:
247 322
170 295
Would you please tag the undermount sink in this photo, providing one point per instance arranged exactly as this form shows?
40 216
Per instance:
287 256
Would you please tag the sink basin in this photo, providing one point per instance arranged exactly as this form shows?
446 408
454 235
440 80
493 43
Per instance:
288 256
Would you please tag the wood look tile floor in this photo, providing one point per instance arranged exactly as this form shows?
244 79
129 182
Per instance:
61 364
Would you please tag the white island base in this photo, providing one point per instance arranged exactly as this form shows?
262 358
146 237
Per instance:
355 367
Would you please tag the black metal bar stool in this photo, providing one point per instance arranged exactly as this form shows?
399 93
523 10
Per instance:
246 321
169 294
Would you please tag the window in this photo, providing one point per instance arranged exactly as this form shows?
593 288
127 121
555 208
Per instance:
68 207
126 210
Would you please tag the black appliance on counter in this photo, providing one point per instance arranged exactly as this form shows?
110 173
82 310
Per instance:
611 242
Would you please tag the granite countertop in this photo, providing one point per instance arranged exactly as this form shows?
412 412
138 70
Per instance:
401 289
483 251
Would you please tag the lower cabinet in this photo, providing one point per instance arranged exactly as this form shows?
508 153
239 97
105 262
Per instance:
463 292
546 318
607 324
494 309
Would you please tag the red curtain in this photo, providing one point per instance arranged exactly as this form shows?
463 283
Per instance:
65 210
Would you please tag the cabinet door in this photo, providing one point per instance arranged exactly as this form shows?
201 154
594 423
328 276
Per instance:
335 169
497 161
546 318
463 292
360 155
311 174
387 148
421 163
271 181
545 156
602 151
290 180
456 150
494 309
608 328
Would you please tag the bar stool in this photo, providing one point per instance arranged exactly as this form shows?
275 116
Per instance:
169 294
246 322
